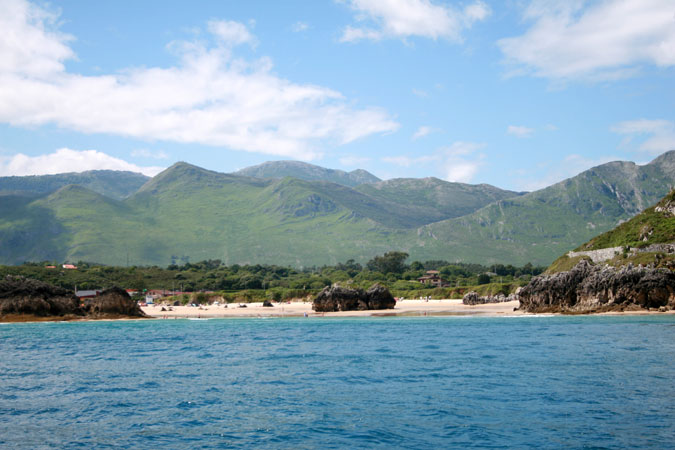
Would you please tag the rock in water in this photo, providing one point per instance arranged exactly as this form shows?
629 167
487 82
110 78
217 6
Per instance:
113 301
20 295
588 288
337 298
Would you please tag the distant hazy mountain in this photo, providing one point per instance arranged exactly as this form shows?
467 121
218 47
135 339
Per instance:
187 212
112 183
307 172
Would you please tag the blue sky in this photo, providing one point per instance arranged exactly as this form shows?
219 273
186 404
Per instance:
518 94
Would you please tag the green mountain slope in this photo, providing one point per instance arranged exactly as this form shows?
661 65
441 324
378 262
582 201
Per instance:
431 200
655 225
190 213
541 225
307 172
111 183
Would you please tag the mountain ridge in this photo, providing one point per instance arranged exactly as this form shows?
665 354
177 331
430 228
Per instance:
307 172
191 213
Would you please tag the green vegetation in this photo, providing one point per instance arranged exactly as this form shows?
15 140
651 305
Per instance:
543 224
241 283
191 214
565 263
655 225
431 200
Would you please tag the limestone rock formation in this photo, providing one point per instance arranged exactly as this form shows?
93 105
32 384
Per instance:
113 301
472 298
338 298
588 288
20 295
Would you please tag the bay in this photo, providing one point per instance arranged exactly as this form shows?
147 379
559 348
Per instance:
306 383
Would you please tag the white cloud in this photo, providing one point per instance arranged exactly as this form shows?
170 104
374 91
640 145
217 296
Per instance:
145 153
405 18
519 131
231 33
462 161
29 40
602 41
422 131
459 162
658 135
354 161
299 27
210 97
66 160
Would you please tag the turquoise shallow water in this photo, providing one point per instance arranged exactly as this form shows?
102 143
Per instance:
434 382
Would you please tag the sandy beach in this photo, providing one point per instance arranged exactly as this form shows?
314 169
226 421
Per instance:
300 309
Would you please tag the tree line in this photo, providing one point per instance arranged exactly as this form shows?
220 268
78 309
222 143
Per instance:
389 269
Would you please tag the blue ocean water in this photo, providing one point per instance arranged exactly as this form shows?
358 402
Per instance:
427 382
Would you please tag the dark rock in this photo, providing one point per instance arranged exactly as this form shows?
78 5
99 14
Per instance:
472 298
588 288
113 301
20 295
268 304
379 297
337 298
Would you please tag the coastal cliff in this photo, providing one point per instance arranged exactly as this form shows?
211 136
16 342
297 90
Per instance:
588 289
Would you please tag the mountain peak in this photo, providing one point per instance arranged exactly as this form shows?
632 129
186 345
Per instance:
307 172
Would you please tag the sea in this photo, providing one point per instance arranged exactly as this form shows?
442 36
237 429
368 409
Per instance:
602 382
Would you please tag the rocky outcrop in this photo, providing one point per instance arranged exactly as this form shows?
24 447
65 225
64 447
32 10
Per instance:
337 298
472 298
588 288
113 302
25 296
26 299
379 297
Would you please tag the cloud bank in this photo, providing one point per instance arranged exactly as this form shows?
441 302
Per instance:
607 40
209 97
66 160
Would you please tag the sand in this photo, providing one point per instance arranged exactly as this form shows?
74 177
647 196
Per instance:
299 309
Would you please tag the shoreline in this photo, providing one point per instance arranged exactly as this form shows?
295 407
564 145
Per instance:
255 310
304 309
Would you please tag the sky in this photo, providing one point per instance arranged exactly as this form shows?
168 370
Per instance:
515 93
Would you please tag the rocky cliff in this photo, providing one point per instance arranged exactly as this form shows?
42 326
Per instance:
591 288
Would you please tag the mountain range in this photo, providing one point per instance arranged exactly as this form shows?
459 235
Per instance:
300 214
